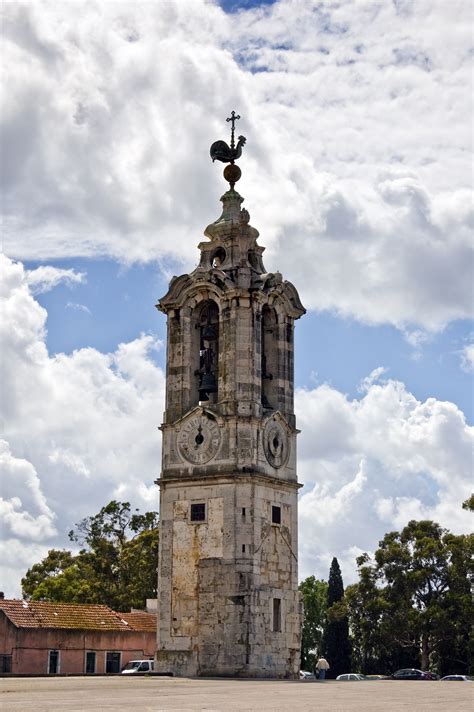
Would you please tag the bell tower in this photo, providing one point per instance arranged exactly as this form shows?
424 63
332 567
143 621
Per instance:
228 601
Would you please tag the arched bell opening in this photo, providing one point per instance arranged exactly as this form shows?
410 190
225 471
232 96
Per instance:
218 258
269 356
206 353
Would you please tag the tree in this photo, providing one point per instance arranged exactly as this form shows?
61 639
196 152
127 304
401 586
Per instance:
336 643
412 604
117 566
365 608
314 596
422 577
469 503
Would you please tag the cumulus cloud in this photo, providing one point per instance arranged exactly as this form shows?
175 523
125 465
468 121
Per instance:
356 116
79 428
373 465
46 277
21 495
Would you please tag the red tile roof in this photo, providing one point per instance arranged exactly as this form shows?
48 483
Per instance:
140 620
81 616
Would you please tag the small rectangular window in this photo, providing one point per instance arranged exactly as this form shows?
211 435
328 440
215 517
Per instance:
277 615
243 548
5 663
198 512
112 662
90 662
243 512
276 514
53 662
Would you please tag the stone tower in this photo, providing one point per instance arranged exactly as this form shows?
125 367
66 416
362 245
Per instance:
228 601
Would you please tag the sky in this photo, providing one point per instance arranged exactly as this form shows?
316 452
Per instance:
357 173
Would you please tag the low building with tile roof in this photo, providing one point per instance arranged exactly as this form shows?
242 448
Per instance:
41 637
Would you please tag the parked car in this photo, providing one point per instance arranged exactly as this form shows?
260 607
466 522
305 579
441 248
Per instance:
351 677
459 678
377 677
414 674
305 675
137 666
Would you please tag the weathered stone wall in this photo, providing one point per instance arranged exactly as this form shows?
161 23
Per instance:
228 598
219 579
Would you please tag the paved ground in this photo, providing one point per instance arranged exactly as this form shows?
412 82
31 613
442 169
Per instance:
152 694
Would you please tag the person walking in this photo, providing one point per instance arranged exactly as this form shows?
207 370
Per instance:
321 666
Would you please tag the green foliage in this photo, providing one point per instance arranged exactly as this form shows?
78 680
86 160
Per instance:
117 565
469 503
314 596
412 604
336 644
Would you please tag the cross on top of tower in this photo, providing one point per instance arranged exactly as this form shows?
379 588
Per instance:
233 117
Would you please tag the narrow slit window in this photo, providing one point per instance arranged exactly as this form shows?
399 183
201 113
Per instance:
243 512
243 548
276 515
277 615
198 512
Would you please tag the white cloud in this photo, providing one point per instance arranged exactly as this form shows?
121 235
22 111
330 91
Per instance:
78 307
376 463
372 378
21 495
81 428
357 121
46 277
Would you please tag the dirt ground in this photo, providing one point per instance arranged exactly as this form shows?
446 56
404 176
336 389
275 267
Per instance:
158 694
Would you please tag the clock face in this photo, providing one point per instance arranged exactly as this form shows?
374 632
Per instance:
199 439
275 443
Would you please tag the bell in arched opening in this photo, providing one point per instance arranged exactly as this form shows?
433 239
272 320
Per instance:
208 351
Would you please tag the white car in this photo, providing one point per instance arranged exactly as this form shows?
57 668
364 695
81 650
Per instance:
136 666
305 675
351 677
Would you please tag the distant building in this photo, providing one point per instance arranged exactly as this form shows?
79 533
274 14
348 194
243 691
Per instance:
39 637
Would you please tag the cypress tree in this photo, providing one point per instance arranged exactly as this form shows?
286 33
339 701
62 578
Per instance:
336 645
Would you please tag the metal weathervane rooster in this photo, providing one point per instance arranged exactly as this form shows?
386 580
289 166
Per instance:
221 151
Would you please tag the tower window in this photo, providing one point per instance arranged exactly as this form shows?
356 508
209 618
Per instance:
277 615
207 372
198 512
269 359
243 548
276 515
243 512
